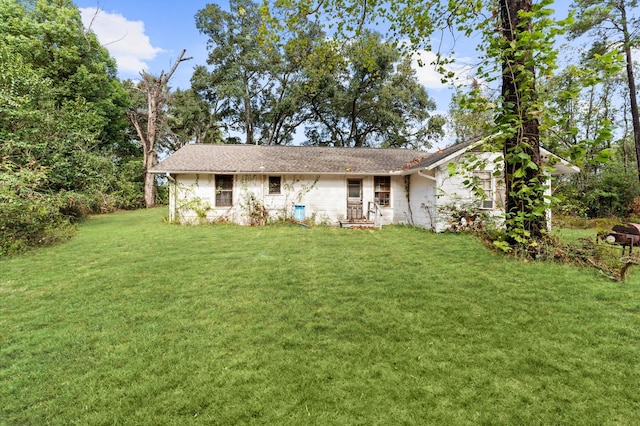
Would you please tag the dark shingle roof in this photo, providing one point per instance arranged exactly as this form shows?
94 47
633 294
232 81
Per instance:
257 159
443 153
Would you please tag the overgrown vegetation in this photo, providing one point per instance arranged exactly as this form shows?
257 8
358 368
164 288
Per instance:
612 260
63 145
589 249
232 325
28 217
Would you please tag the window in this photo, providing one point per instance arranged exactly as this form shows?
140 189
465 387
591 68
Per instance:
382 188
354 188
224 190
484 188
274 184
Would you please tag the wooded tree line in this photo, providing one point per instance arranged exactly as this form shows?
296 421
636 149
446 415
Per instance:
351 93
73 136
65 149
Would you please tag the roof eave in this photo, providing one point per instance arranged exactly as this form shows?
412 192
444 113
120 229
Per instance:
453 155
560 166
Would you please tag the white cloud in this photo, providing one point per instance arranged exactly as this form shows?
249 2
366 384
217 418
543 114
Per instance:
126 40
429 77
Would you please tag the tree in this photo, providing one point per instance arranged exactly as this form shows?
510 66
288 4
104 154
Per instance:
524 181
368 95
284 107
50 171
469 120
29 211
155 89
190 119
592 100
359 93
239 62
614 29
50 36
254 86
80 124
588 110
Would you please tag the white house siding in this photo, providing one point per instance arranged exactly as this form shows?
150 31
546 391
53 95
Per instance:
395 212
324 197
188 193
452 191
423 201
399 213
199 190
329 199
325 203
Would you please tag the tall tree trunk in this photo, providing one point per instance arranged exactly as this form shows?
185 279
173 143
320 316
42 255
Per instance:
155 89
353 130
632 85
149 159
523 183
155 95
248 113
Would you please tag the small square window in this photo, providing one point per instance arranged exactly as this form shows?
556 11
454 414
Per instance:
275 183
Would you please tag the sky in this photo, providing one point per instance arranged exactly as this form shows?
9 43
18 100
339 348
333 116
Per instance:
150 34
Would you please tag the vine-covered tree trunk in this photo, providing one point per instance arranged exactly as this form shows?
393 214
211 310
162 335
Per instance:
523 177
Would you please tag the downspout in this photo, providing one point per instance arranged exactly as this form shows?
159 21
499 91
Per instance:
172 196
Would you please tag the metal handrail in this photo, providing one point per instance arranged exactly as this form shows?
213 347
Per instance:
377 213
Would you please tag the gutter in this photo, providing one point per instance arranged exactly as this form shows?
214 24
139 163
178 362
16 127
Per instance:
172 194
431 178
273 173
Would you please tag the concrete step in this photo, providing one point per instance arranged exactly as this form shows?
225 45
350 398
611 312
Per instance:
357 224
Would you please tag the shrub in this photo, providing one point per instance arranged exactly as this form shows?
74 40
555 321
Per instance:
28 216
610 193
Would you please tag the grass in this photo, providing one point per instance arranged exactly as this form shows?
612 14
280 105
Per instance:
571 235
139 322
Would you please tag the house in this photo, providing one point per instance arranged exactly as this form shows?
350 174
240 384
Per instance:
249 184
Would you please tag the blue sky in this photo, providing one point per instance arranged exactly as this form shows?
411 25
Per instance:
150 34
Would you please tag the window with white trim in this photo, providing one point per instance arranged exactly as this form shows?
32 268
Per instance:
485 188
382 189
224 190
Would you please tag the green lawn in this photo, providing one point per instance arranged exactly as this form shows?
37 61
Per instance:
569 235
139 322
